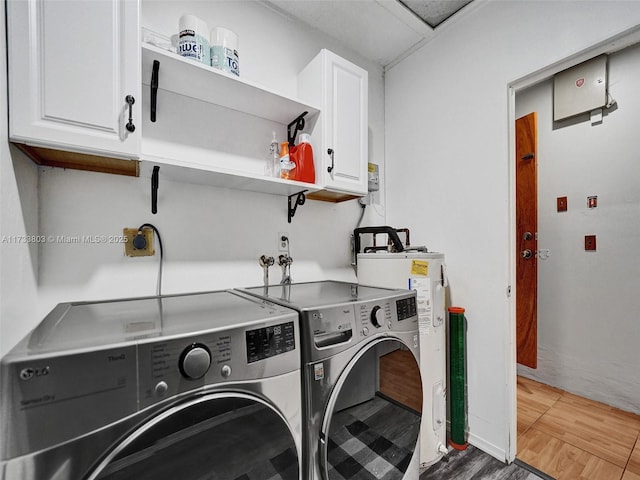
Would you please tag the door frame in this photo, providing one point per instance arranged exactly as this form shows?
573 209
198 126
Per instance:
609 45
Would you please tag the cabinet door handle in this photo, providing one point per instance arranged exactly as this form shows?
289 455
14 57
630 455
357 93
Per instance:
330 152
130 126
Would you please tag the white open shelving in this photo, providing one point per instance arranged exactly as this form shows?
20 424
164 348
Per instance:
190 79
211 85
225 178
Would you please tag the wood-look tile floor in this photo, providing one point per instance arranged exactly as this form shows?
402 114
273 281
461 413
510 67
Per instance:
572 438
400 379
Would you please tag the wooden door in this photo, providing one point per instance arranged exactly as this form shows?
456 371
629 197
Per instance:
527 241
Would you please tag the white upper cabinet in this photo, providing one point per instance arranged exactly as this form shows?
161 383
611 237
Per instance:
72 64
340 136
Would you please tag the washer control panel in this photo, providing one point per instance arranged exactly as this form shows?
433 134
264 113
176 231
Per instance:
374 318
332 329
177 365
270 341
406 308
394 314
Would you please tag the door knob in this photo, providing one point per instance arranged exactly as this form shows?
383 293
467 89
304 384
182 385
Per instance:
527 235
526 253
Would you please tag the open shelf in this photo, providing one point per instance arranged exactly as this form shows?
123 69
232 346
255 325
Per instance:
217 177
199 81
186 78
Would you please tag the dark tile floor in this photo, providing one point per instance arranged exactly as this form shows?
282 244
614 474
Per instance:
474 464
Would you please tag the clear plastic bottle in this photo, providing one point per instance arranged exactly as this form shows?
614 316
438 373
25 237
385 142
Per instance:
272 167
286 165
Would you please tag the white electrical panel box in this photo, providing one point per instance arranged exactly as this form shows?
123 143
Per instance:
580 89
374 177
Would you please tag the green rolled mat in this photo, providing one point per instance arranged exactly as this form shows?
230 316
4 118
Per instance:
457 378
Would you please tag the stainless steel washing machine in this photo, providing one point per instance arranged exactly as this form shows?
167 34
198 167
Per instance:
199 386
352 429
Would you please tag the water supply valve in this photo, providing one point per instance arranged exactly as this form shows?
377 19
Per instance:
285 262
265 263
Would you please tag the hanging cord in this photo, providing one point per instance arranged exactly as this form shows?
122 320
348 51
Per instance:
149 225
363 207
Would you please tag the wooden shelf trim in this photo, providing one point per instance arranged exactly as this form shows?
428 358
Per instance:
80 161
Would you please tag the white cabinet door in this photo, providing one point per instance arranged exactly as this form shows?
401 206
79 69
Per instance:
341 132
72 64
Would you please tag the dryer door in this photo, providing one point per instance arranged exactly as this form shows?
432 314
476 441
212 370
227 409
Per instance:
216 436
376 437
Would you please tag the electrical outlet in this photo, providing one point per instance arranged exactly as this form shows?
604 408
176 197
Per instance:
589 242
283 245
130 250
562 204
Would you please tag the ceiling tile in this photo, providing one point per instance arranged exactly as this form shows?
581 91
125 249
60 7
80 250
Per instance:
434 12
380 30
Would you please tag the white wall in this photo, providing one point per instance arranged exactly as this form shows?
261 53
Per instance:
448 175
588 302
18 218
212 236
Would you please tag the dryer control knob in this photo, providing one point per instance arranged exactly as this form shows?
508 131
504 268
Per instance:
195 361
377 316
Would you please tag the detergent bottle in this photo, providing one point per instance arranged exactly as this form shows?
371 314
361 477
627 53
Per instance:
287 167
302 155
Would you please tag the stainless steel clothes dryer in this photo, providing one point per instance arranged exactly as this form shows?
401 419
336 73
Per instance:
200 386
352 430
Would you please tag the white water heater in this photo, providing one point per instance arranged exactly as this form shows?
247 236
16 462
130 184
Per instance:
425 273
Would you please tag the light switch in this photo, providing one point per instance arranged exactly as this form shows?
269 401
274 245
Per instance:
592 202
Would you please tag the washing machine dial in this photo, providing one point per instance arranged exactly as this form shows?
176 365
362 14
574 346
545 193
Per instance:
195 361
377 316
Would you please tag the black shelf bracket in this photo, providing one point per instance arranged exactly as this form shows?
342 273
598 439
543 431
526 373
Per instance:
300 199
297 125
154 89
154 189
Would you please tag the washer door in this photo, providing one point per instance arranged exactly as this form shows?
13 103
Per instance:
218 436
375 436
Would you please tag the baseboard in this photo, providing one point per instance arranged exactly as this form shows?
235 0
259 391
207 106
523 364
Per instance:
478 442
533 470
487 447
